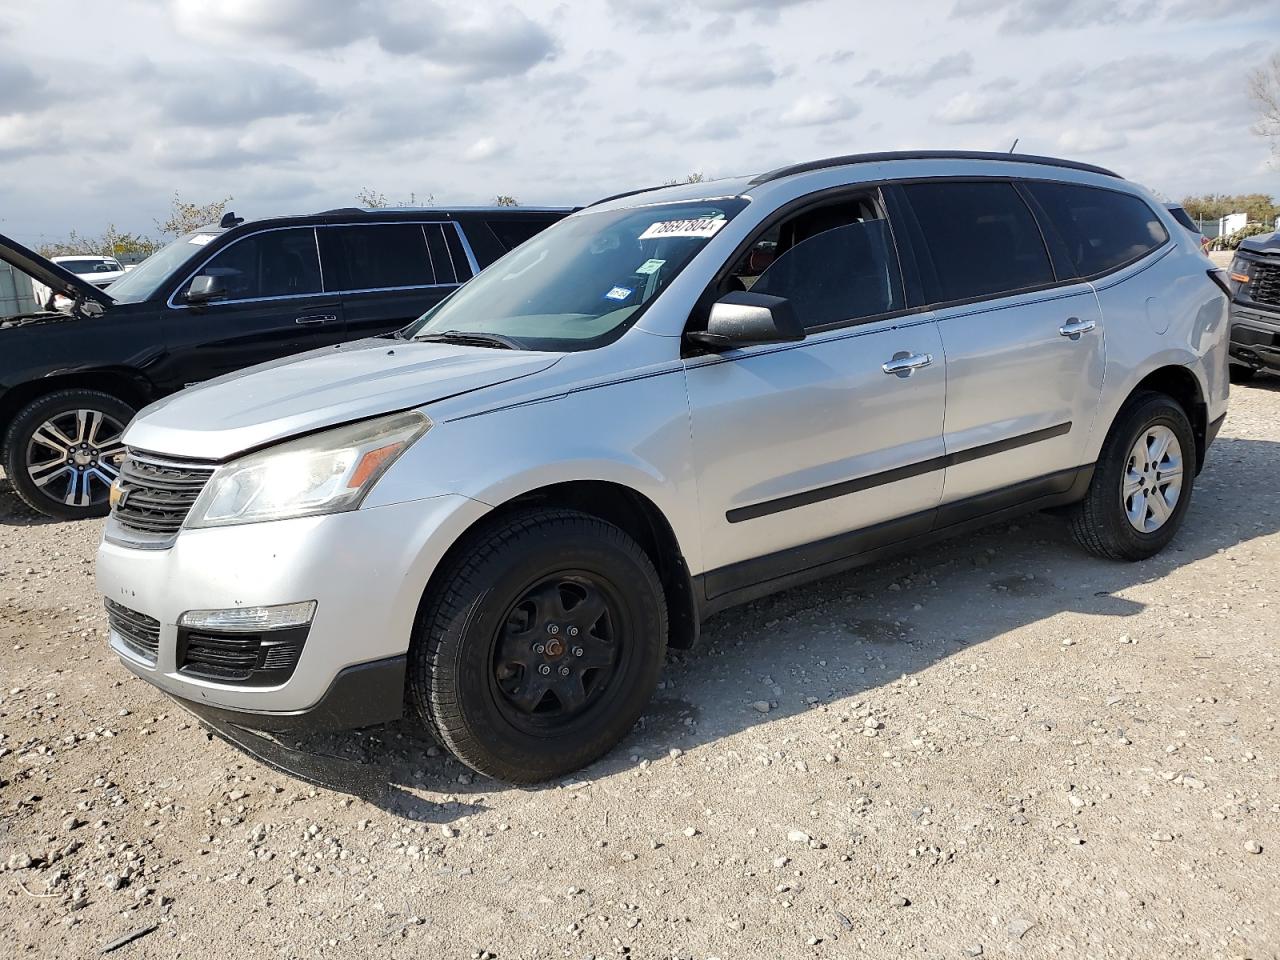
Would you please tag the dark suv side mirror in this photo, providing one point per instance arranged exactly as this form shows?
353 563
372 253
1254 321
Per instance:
744 319
205 288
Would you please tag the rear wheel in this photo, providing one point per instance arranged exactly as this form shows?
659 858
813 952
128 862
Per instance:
64 450
1142 482
540 645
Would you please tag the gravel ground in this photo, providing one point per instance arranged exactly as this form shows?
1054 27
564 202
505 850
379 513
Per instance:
999 748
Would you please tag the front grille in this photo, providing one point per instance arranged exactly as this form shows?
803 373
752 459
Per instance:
252 659
1265 285
156 494
137 631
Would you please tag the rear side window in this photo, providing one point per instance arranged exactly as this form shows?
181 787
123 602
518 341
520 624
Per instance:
1103 229
1184 218
448 260
979 238
512 233
376 256
277 263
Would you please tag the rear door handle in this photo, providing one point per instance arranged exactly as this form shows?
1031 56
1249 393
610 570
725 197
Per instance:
904 364
1074 327
318 318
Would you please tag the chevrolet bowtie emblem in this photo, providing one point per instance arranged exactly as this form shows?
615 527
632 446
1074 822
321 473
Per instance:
118 495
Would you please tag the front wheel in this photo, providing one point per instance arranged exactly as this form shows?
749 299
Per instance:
540 645
64 451
1142 482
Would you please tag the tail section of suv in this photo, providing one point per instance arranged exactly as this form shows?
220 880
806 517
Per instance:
670 402
210 303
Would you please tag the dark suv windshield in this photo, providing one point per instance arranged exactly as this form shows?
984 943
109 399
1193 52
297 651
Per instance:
143 280
582 282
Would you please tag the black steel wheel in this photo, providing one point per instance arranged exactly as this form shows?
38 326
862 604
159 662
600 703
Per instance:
539 644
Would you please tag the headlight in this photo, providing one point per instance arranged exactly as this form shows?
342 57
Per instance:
327 472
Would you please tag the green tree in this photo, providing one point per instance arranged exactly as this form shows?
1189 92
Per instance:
112 243
1259 207
186 217
502 200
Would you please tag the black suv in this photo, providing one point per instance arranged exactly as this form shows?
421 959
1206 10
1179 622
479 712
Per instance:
214 301
1255 308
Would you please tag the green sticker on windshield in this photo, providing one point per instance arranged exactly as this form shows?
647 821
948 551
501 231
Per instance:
650 266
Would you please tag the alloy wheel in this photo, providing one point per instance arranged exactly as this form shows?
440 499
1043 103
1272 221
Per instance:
1152 481
74 457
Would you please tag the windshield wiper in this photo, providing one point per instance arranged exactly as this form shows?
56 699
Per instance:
470 339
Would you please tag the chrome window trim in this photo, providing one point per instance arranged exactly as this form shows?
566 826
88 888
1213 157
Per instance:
466 248
315 228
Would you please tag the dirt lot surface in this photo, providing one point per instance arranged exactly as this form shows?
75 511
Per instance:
998 748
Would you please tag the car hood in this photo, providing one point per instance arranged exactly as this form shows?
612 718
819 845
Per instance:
323 388
56 278
1266 243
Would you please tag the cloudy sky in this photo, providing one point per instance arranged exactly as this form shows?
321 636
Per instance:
107 108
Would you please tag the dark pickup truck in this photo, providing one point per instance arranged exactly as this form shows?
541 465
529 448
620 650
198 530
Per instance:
1255 307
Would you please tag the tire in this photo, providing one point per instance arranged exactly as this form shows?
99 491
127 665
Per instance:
483 639
61 452
1101 521
1241 374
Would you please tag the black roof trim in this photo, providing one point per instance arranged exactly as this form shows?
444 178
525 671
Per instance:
926 155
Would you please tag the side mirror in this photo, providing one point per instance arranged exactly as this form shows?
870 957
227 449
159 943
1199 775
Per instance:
205 288
744 319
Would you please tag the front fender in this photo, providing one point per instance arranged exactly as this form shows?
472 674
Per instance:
634 434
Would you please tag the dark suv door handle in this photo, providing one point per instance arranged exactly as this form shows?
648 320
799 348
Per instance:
317 318
1074 327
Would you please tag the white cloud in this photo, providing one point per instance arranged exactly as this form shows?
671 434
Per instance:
748 66
294 105
819 108
475 44
486 148
1091 140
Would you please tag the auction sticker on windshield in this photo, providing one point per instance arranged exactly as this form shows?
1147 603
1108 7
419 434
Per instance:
704 227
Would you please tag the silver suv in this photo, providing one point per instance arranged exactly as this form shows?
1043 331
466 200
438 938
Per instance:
673 401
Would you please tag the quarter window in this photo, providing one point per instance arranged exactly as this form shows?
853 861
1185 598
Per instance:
1103 229
276 263
512 233
979 240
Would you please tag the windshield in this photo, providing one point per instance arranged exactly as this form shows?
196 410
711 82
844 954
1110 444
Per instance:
85 265
143 280
582 282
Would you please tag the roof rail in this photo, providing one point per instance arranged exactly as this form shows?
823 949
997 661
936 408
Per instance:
926 155
627 193
343 210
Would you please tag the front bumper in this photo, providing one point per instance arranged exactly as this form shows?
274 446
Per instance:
365 569
1255 336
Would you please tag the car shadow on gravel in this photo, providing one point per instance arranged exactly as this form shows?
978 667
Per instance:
15 513
834 641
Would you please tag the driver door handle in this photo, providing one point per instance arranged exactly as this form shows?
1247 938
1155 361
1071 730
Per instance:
904 364
1074 327
318 318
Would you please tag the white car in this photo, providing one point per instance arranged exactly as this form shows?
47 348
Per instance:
99 271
